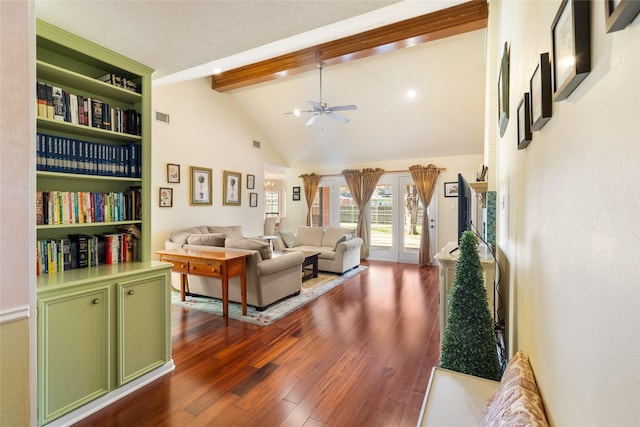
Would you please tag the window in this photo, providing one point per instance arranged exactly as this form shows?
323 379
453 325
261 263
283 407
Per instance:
272 203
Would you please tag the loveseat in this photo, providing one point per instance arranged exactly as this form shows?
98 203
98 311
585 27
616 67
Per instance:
268 279
339 248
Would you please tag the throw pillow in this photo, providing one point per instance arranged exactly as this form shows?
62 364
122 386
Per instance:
252 244
181 236
290 239
516 402
209 239
341 239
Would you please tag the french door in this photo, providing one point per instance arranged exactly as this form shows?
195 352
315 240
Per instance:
394 213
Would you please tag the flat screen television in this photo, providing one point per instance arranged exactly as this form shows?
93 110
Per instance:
464 206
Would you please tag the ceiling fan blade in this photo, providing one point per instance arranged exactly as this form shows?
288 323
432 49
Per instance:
337 117
312 119
343 108
316 105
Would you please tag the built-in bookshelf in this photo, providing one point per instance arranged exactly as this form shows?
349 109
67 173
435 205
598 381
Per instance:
103 304
92 148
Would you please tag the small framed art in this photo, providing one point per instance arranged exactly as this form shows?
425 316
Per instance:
451 189
540 93
503 91
296 197
524 128
173 173
166 197
571 42
296 190
200 186
251 182
253 200
620 13
232 188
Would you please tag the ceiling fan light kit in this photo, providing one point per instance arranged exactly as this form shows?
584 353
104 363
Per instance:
322 108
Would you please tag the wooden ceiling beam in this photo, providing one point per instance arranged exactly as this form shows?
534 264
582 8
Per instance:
448 22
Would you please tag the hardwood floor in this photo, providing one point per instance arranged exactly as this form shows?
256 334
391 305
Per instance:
360 355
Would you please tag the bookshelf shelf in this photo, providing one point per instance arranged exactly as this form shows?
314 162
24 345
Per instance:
52 125
81 306
70 79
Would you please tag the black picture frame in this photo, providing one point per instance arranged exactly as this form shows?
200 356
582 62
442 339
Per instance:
296 197
253 200
620 13
571 44
524 122
540 93
503 91
251 182
165 197
296 190
451 189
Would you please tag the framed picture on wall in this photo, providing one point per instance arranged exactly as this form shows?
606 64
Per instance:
251 182
571 43
451 189
166 197
296 190
200 186
524 129
620 13
296 197
503 91
253 200
173 173
540 93
232 188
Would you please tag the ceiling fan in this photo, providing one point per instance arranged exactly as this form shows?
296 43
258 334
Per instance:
323 109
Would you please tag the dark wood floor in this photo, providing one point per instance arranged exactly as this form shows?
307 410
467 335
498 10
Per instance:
360 355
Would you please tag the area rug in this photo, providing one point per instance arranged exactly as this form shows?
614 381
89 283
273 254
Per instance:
311 289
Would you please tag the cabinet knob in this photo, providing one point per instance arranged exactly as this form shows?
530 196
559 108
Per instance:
96 301
131 292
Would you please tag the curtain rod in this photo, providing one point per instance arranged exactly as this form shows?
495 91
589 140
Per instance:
385 172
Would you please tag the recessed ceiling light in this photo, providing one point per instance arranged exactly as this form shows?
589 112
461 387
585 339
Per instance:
411 93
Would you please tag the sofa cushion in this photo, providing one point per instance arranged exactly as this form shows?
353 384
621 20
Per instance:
342 238
253 244
227 230
516 402
290 239
310 236
208 239
181 236
332 234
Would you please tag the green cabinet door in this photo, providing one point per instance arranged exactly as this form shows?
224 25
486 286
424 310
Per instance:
73 351
143 326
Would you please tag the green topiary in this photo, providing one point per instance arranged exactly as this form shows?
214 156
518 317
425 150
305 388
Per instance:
469 342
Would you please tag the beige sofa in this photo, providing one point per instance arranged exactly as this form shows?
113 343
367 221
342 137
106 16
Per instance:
268 279
338 247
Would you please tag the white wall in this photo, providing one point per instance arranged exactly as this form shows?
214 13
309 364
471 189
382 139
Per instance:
206 129
569 229
17 214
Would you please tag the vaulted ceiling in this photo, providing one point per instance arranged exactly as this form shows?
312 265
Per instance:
188 39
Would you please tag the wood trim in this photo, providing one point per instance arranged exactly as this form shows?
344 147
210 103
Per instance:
448 22
383 172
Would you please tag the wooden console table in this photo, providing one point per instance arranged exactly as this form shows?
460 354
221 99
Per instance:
212 263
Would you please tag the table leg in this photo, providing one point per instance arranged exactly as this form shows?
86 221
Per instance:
315 267
183 280
243 286
225 299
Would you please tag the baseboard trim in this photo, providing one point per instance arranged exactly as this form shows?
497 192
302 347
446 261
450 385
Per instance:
117 394
13 314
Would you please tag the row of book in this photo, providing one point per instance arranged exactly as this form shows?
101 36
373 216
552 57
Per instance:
81 251
69 155
55 103
120 81
84 207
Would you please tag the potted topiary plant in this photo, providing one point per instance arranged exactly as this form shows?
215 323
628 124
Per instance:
469 342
